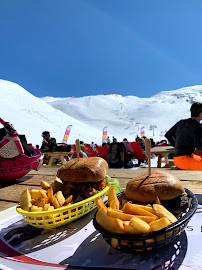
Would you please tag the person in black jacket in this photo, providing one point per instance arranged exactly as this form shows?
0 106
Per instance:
186 137
49 144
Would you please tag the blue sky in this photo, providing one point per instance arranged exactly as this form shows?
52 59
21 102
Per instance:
77 48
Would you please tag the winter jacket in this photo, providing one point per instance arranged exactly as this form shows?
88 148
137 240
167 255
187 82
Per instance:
185 136
49 146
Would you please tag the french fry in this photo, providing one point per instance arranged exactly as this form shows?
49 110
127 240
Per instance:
46 207
125 242
162 237
55 203
43 193
105 221
140 225
147 241
114 205
50 195
161 211
25 200
45 185
114 242
99 202
148 208
120 227
33 201
35 194
35 208
68 200
118 214
59 196
157 201
137 210
41 202
129 229
112 197
159 224
147 219
123 202
37 201
123 216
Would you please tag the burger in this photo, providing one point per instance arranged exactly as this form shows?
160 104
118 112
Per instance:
159 184
82 178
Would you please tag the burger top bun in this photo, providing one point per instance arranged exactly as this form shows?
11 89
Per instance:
160 184
91 169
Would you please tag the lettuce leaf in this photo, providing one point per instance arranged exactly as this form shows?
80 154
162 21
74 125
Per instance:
114 182
78 199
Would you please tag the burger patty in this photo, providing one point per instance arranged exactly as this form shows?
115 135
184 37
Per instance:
84 189
178 205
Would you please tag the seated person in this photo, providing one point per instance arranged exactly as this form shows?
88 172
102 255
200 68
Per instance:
141 143
114 140
49 144
108 140
93 146
186 136
37 146
83 153
152 142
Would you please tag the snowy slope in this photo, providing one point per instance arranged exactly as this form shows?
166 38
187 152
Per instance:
88 115
121 114
31 116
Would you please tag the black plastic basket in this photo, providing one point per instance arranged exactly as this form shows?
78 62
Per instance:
131 243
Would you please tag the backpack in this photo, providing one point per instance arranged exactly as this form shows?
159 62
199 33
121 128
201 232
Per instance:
61 147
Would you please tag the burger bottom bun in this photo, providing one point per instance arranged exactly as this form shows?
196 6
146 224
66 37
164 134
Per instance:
159 184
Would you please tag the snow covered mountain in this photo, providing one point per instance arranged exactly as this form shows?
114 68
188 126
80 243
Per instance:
31 116
124 116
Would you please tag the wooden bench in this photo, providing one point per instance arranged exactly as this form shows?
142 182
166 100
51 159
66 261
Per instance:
56 155
162 152
170 163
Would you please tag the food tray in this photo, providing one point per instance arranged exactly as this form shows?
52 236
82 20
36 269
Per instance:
61 216
145 242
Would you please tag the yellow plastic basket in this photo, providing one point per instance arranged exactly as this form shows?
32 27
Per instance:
61 216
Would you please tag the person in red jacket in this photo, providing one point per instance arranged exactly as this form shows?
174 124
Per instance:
186 137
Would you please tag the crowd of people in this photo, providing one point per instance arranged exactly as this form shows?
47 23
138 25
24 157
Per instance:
185 136
49 144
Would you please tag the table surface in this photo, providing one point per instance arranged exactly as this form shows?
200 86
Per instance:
57 153
162 149
79 246
11 191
